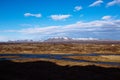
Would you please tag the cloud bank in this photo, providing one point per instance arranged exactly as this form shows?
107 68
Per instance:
103 28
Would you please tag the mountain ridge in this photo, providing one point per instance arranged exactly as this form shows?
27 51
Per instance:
60 39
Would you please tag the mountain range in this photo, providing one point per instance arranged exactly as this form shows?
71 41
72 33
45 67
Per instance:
67 39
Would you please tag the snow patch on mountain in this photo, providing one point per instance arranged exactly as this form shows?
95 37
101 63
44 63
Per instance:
85 39
60 39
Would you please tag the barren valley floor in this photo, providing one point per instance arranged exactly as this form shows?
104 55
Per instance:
60 48
59 61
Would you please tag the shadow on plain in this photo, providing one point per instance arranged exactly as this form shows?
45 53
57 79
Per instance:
43 70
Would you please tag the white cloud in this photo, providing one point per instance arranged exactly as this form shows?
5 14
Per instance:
96 3
94 24
106 17
78 8
34 15
114 2
45 30
101 28
78 26
59 17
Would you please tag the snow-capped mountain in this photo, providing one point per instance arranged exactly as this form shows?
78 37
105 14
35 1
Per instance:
85 39
61 39
58 39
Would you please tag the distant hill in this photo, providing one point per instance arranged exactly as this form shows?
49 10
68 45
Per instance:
67 39
80 40
58 39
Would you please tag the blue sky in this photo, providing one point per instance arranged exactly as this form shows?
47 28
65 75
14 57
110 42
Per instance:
42 19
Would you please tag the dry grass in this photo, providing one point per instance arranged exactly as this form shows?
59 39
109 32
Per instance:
97 58
62 62
59 48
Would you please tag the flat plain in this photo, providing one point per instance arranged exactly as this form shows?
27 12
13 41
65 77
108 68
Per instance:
67 67
60 48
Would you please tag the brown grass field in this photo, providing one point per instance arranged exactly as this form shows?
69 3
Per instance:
103 58
59 48
64 48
